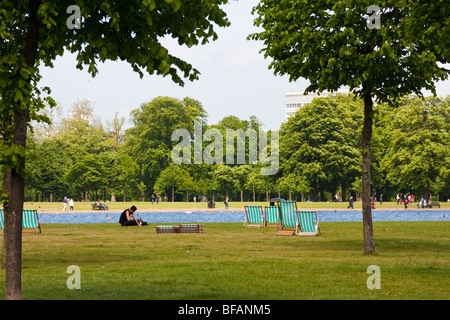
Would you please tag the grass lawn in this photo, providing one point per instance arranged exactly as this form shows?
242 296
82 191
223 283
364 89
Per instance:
231 262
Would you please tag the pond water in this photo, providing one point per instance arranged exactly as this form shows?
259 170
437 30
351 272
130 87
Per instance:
228 216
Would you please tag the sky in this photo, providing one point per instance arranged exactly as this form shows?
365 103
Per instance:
235 79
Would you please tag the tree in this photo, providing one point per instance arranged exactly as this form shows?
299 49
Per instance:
419 145
224 178
174 176
35 32
336 43
47 173
318 144
149 141
241 173
292 182
115 130
257 182
87 173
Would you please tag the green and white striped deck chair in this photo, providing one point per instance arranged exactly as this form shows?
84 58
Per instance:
289 217
272 216
254 216
30 220
2 223
307 225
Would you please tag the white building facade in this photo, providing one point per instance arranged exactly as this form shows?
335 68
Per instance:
295 100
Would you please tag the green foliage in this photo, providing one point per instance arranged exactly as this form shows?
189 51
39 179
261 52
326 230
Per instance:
328 43
224 178
149 141
36 34
418 153
318 145
319 153
174 176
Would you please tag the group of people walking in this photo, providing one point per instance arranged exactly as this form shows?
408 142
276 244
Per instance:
65 201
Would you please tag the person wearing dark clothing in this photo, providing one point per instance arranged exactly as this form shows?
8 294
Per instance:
127 218
350 203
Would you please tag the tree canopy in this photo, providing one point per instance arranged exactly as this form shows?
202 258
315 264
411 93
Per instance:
318 144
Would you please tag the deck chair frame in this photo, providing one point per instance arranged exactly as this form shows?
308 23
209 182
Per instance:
254 217
30 221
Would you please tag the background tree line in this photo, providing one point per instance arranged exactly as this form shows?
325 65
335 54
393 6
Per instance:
80 157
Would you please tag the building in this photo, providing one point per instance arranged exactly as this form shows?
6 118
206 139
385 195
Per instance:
295 100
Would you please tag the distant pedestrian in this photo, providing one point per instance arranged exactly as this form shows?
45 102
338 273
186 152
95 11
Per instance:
350 203
226 203
381 199
71 204
153 198
405 201
64 203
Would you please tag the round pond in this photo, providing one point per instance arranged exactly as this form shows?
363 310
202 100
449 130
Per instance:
228 216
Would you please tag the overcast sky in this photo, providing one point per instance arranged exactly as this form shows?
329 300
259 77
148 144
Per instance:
234 80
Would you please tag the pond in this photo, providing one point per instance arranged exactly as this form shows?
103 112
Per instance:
228 216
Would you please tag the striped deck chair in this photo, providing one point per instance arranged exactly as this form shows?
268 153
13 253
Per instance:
2 223
307 225
30 220
254 216
272 216
289 217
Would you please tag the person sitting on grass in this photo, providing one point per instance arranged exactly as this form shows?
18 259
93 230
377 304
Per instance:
127 218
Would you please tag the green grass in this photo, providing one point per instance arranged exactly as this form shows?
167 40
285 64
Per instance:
232 262
57 206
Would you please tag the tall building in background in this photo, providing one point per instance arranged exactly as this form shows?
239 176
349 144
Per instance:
295 100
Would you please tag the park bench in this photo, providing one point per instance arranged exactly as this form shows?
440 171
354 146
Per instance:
429 205
433 204
101 207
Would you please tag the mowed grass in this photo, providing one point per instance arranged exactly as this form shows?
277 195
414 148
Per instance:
229 261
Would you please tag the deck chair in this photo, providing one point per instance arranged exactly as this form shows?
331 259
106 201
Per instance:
254 216
30 220
272 214
2 222
307 225
289 217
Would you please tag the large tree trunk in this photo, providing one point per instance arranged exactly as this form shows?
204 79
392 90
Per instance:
13 238
369 244
14 207
14 184
6 189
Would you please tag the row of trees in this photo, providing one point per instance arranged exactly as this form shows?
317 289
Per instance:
319 153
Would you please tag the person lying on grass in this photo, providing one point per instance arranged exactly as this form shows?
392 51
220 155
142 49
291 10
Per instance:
127 218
